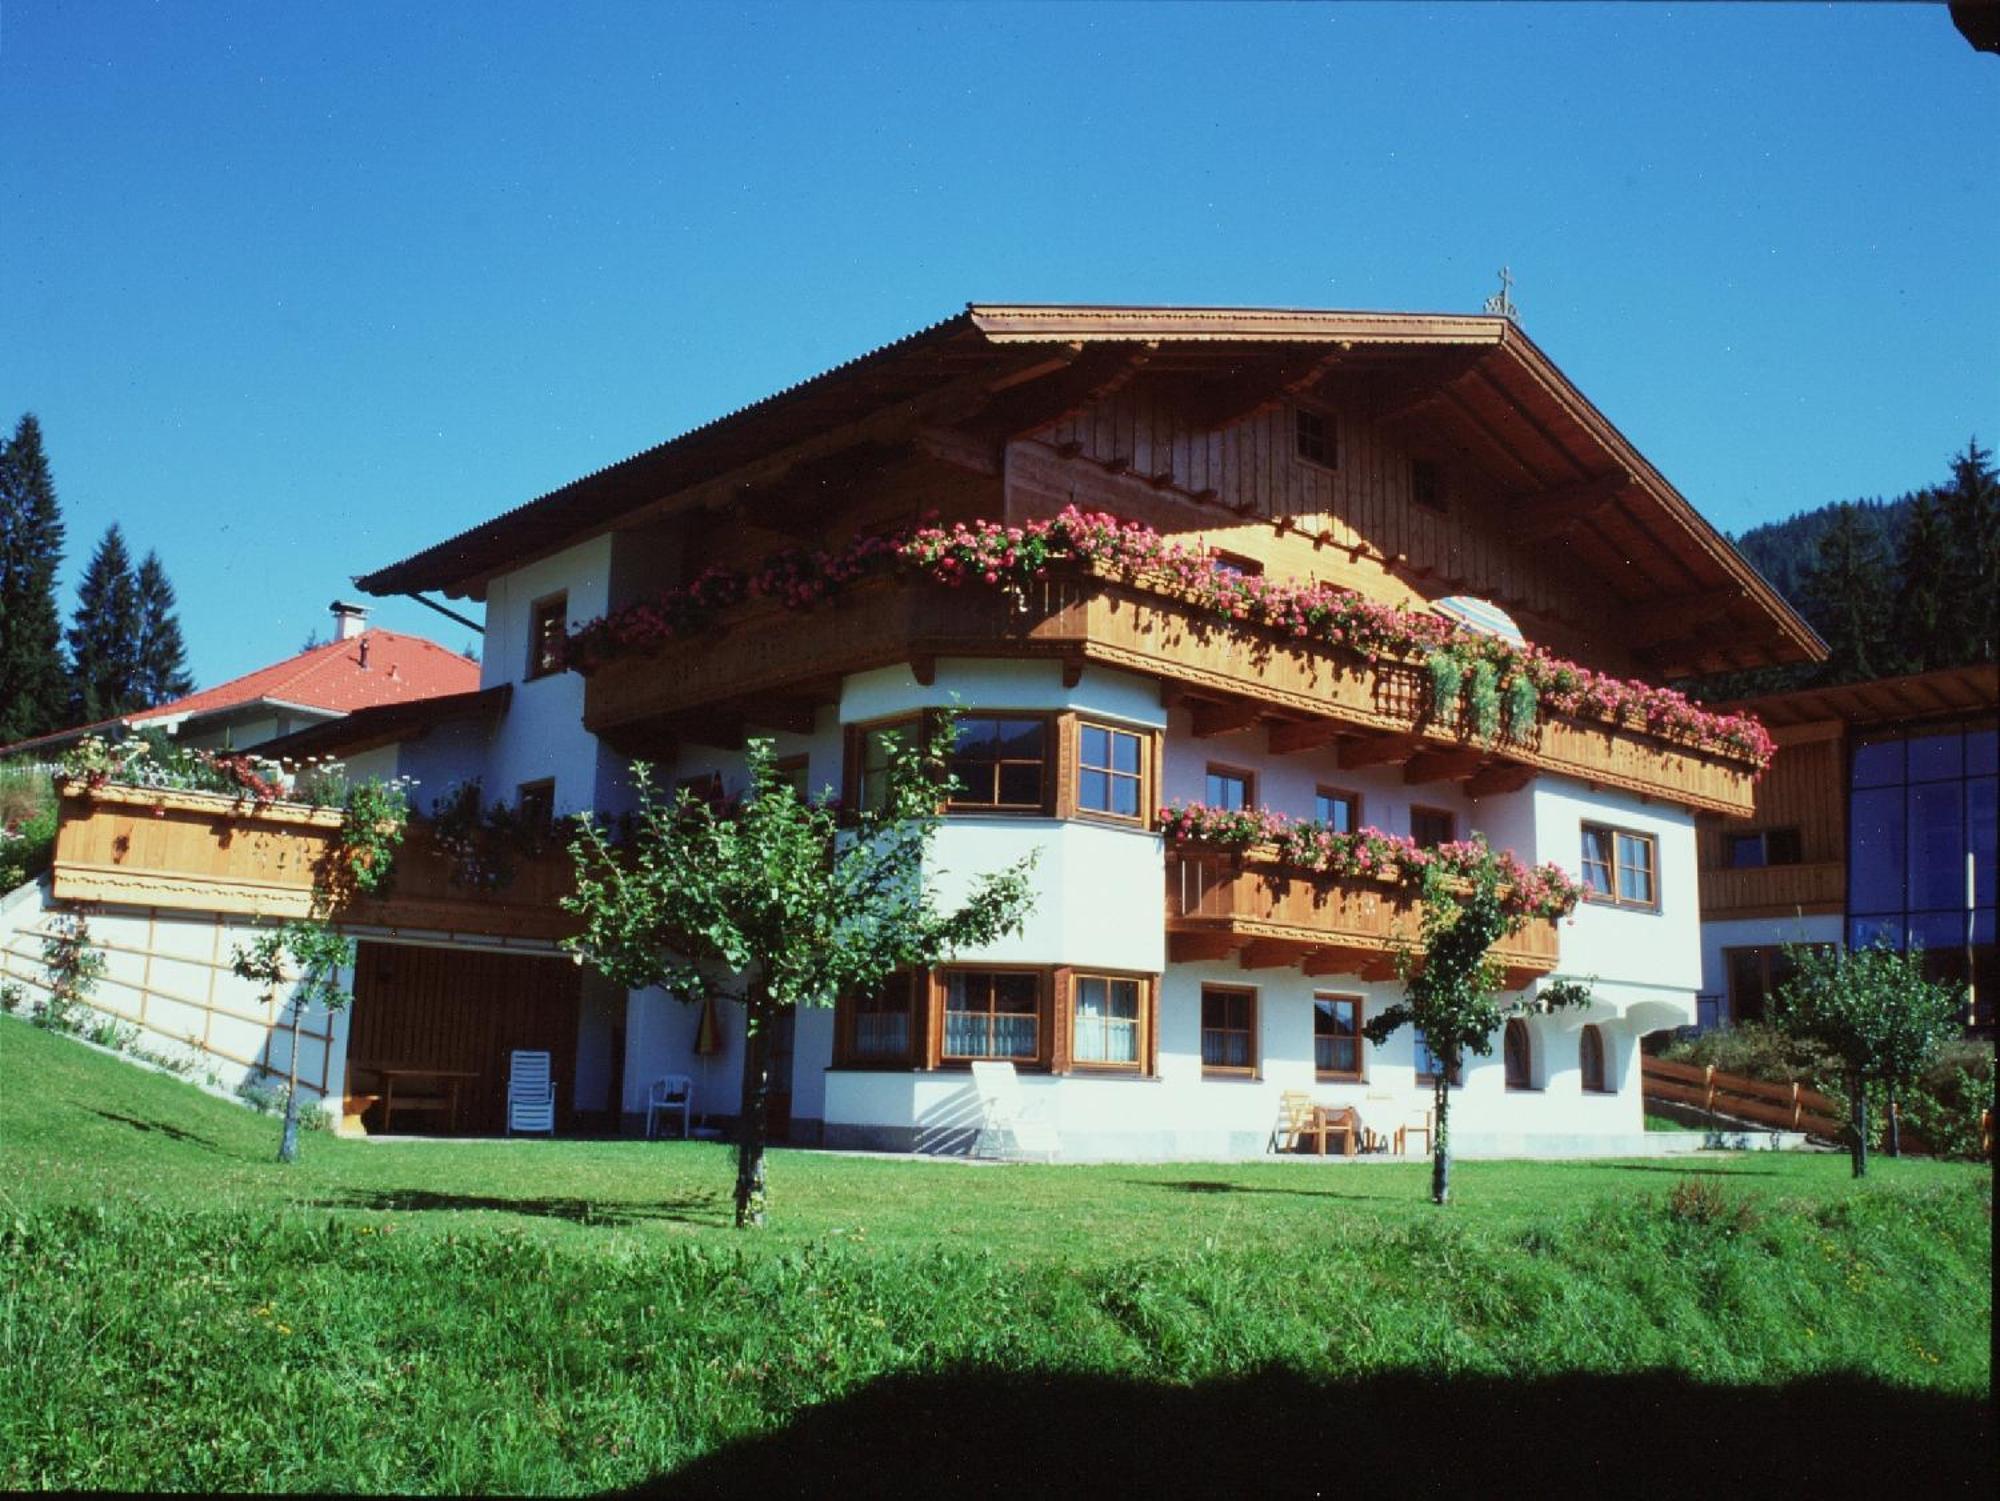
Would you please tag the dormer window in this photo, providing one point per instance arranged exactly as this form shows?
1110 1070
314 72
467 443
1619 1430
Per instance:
1313 437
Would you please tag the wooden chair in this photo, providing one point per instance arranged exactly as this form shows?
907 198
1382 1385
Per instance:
531 1094
1427 1124
1295 1121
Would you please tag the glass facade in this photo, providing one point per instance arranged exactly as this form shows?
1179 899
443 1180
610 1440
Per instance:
1919 802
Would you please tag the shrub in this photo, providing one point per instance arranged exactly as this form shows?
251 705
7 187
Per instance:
1698 1201
13 997
261 1093
1758 1050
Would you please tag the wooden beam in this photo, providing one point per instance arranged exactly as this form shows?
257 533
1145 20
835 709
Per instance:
1197 948
923 667
1332 962
1380 968
1441 765
795 716
1550 513
1659 621
1501 777
1269 953
1072 669
1446 371
1378 750
1305 735
1263 384
1211 719
1097 373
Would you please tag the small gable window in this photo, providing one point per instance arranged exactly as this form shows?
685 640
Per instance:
548 621
1312 434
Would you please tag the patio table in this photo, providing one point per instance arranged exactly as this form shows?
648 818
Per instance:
414 1079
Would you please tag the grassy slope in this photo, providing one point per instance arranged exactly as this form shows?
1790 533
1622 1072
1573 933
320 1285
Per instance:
179 1311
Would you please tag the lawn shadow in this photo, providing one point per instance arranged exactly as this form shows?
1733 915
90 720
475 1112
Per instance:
1276 1432
704 1209
1691 1172
171 1132
1216 1186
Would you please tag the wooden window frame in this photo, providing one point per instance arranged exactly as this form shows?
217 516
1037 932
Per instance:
1517 1027
1324 793
1252 1070
1450 817
852 770
1146 1065
1222 769
1236 562
847 1013
1613 897
1069 801
1051 764
1593 1033
798 771
1764 837
1360 1071
1043 1060
548 608
1327 439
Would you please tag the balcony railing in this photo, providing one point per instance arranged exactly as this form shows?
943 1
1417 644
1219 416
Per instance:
766 653
1774 890
209 852
1222 906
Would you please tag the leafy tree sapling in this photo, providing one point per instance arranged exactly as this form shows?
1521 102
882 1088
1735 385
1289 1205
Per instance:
309 955
779 904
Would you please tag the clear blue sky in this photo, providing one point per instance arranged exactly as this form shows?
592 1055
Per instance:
298 290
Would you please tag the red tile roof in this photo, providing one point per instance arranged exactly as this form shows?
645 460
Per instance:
398 669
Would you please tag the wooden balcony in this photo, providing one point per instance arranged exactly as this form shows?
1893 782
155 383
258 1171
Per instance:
209 852
1223 905
771 666
1774 890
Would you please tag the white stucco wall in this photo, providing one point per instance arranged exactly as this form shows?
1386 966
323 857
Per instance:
1759 932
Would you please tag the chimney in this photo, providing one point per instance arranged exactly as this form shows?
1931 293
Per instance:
349 620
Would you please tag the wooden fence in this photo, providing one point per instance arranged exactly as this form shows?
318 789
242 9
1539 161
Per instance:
1784 1107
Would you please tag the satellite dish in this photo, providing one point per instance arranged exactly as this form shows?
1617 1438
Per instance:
1480 615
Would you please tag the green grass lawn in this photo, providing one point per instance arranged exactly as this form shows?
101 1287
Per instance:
182 1312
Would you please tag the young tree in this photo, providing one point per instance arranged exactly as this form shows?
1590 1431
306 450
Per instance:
308 955
1928 626
778 906
1874 1009
104 640
162 655
33 690
1846 589
1451 988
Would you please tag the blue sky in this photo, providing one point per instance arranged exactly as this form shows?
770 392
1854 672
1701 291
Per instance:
299 290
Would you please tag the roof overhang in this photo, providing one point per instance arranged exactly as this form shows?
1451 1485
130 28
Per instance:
1944 693
1476 385
388 724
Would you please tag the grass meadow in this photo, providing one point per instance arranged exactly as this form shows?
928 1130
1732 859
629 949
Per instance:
180 1312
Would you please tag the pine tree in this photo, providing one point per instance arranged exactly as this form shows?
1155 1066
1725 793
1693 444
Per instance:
1972 509
33 693
162 654
1846 590
104 638
1928 630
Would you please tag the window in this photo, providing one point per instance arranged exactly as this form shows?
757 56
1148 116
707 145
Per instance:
1754 975
1337 1036
1001 763
548 622
1427 485
1620 868
1234 562
1110 777
1312 434
1590 1054
881 1028
1228 789
1427 1061
792 772
1105 1021
1516 1048
1431 827
1339 811
537 804
992 1014
704 787
1228 1030
1767 847
871 748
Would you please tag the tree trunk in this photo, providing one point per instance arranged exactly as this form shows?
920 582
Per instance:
752 1125
1860 1125
288 1144
1894 1144
1441 1137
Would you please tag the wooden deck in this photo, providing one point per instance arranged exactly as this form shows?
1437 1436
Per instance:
773 666
1221 906
208 852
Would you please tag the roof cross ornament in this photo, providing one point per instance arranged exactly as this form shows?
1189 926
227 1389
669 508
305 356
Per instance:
1502 302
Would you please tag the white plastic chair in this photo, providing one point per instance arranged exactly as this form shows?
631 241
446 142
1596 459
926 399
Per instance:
674 1092
531 1094
1009 1127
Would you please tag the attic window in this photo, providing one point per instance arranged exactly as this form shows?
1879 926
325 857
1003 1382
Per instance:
1313 434
548 620
1427 485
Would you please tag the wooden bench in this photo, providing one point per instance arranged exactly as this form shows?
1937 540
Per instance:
353 1108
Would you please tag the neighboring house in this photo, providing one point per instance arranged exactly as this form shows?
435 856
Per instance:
1880 794
1162 997
359 668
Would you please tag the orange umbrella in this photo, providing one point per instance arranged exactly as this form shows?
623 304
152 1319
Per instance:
707 1041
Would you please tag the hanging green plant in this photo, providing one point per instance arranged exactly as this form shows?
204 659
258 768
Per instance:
1482 695
1523 704
1447 678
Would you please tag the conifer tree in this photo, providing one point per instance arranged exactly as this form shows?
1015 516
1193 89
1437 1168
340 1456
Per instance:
104 638
1846 590
33 692
1972 510
1926 618
163 674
